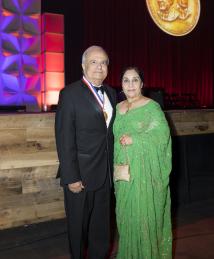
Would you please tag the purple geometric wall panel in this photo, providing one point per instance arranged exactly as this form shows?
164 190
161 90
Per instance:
20 48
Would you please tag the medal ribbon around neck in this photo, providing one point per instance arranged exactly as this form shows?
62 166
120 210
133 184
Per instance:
94 92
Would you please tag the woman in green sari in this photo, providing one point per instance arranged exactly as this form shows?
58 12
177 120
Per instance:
142 137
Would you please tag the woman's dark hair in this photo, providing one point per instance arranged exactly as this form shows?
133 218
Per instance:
136 69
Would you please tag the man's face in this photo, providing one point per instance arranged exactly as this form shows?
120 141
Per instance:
165 4
95 67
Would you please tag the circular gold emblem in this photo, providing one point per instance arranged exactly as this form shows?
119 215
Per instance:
175 17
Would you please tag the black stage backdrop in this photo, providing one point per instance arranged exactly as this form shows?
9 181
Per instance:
178 65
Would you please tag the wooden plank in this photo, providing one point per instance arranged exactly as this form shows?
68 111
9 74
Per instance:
42 120
25 180
191 115
35 134
191 122
10 183
40 172
45 137
50 211
37 172
38 185
27 120
190 128
28 160
10 187
24 200
22 148
31 214
31 208
12 136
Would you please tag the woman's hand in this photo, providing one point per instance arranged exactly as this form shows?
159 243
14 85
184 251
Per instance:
125 140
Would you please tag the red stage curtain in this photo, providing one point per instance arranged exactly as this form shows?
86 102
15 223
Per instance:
179 65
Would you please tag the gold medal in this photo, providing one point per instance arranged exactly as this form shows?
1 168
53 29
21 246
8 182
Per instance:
105 115
175 17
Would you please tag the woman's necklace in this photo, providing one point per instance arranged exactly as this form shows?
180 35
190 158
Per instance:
131 102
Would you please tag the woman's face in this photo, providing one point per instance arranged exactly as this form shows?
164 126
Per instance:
131 84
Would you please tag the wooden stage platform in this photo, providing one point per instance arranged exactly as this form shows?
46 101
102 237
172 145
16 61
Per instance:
29 192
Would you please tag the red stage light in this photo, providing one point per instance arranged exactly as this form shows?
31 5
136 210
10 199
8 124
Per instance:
52 57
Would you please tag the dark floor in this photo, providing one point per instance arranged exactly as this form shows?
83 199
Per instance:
193 230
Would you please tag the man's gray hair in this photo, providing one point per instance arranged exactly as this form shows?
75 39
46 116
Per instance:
90 49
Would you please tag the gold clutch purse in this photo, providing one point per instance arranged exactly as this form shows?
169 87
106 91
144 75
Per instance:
122 171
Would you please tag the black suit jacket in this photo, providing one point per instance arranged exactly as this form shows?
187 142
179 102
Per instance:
84 143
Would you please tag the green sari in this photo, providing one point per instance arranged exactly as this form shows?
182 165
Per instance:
143 204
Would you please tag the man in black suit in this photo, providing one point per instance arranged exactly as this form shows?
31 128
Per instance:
84 139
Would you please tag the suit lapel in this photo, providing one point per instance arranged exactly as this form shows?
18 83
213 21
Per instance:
88 94
110 97
112 101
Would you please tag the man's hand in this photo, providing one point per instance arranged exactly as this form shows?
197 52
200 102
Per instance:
76 187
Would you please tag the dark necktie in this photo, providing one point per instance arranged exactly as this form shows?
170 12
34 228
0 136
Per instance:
101 88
